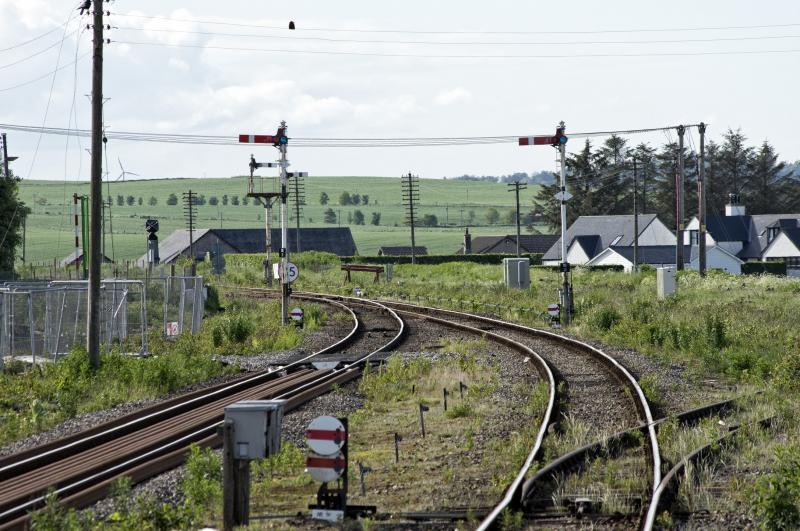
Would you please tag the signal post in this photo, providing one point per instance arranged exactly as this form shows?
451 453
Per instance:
280 141
559 141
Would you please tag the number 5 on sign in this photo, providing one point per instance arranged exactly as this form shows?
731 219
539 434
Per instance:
291 272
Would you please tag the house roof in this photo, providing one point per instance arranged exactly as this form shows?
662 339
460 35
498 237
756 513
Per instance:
337 240
402 251
729 228
591 244
529 243
794 235
607 228
651 254
76 257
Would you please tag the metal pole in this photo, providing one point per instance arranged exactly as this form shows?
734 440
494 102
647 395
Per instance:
6 173
96 190
701 199
635 217
516 191
75 223
297 211
565 297
680 211
284 234
268 228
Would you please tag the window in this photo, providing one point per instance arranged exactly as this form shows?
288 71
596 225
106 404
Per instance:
617 239
772 232
694 237
793 262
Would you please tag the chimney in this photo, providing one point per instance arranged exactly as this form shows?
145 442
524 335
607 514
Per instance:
467 242
734 208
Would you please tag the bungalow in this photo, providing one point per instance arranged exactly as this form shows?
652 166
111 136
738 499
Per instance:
785 245
664 256
528 244
590 235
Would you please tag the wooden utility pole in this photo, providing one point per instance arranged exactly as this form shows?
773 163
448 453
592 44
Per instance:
516 186
679 214
411 194
95 191
701 202
635 217
6 173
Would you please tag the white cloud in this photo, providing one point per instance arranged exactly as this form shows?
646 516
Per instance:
449 97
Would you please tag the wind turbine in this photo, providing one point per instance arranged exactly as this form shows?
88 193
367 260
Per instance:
124 173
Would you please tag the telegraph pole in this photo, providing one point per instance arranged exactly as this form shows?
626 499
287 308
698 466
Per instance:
701 200
411 194
635 217
680 214
6 173
515 187
95 191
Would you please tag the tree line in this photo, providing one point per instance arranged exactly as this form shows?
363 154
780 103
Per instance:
600 179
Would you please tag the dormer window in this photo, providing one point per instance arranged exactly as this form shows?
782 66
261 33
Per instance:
772 233
694 237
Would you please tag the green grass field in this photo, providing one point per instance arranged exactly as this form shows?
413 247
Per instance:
454 203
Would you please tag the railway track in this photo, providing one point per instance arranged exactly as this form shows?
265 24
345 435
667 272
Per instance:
82 467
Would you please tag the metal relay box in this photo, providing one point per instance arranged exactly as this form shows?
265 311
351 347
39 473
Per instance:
256 427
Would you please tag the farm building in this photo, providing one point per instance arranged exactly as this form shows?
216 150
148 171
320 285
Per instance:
588 236
76 257
528 244
336 240
402 251
664 256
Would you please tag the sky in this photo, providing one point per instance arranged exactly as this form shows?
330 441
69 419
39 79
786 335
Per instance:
599 66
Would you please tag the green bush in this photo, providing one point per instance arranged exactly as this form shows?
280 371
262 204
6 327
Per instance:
202 484
536 258
604 318
776 496
237 327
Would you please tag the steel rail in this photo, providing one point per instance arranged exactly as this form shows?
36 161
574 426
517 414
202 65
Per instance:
615 368
671 478
12 466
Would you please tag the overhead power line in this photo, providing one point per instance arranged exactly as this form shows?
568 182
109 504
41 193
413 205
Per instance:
43 76
295 37
458 56
315 142
40 52
21 44
464 32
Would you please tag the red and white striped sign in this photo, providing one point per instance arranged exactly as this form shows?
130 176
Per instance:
326 435
325 468
554 309
258 139
537 140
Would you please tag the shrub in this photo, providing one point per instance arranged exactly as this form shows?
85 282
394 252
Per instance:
604 318
202 485
237 327
776 497
786 376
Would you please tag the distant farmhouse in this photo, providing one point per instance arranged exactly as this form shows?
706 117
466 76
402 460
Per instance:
75 258
507 244
402 251
336 240
591 235
760 237
731 240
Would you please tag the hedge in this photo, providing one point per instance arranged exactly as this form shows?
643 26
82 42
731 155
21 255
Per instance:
758 268
536 258
614 267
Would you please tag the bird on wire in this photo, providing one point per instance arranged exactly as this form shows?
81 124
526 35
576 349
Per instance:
87 5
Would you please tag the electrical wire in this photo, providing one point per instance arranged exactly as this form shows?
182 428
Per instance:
466 43
34 80
21 44
460 56
44 121
36 54
463 32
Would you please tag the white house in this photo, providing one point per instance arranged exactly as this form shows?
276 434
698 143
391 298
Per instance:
785 245
664 256
588 236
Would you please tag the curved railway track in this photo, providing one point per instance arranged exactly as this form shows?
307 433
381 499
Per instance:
82 467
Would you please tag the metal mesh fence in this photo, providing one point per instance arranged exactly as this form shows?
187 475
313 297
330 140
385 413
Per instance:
47 319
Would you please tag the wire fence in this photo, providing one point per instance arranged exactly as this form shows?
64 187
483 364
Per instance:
46 319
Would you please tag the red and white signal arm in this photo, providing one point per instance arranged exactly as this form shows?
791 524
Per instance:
326 435
325 468
554 309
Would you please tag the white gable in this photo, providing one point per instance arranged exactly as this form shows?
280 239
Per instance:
576 255
717 258
611 257
656 233
781 247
